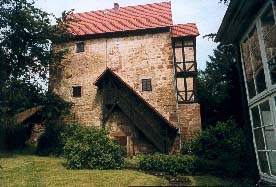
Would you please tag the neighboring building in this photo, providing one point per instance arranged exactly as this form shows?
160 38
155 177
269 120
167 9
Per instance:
250 25
132 71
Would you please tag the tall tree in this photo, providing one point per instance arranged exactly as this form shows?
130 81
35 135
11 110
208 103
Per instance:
225 1
25 51
218 88
26 37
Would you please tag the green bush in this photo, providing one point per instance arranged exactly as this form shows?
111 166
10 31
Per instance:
224 144
54 111
15 136
90 148
51 142
172 164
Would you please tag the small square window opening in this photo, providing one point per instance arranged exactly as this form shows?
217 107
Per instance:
146 85
80 47
76 91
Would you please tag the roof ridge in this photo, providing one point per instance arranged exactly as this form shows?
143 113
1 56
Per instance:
183 24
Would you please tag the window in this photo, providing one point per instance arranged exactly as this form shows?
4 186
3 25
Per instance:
248 69
76 91
80 47
256 60
253 64
264 135
146 85
269 32
259 65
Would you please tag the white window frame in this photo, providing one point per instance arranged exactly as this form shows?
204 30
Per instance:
269 94
273 120
270 89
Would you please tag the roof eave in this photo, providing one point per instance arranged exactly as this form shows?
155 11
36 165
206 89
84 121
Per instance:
123 33
237 19
187 36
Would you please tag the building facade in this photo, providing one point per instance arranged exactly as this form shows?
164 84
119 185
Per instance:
251 27
131 71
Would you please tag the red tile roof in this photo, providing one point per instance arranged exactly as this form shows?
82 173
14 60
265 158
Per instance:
147 16
181 30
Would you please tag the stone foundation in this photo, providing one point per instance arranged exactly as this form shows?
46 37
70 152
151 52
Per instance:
127 135
189 120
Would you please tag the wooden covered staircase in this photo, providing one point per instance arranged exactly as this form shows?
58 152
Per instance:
117 93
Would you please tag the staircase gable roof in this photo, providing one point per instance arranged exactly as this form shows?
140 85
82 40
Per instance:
109 72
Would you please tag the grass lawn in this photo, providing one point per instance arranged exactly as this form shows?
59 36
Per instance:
29 170
216 181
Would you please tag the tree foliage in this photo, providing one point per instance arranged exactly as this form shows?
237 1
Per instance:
218 88
226 2
220 97
224 144
25 51
26 38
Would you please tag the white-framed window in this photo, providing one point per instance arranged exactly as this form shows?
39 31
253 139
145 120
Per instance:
258 49
263 125
253 65
268 28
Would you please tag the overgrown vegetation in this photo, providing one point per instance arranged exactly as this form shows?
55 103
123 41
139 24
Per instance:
25 52
219 89
26 55
223 144
51 141
219 93
15 135
91 148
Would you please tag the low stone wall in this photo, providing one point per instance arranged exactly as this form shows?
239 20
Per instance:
37 130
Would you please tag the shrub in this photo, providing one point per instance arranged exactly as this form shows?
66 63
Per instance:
90 148
15 136
224 144
172 164
51 142
54 111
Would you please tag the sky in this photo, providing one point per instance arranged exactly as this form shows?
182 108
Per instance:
207 14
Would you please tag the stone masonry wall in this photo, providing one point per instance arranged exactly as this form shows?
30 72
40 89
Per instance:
133 58
189 120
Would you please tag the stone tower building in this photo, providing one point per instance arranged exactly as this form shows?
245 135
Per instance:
130 70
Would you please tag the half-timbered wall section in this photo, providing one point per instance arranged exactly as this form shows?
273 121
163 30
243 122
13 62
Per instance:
185 68
136 96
